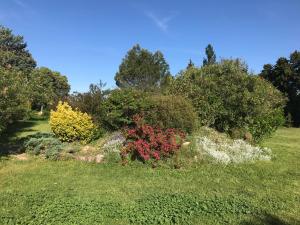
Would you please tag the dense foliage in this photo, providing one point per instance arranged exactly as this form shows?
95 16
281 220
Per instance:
44 144
90 102
121 105
169 111
13 102
142 69
145 142
285 75
165 111
48 87
71 125
22 86
13 51
210 56
226 97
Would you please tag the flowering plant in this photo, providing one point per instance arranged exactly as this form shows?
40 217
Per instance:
145 142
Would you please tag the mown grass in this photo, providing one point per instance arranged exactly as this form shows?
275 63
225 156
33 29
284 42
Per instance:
68 192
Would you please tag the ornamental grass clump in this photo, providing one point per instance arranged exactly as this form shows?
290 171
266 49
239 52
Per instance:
144 142
71 125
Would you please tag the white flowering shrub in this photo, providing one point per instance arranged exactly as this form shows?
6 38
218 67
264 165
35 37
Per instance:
225 150
113 143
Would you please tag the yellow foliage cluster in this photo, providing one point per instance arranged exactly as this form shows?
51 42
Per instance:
71 125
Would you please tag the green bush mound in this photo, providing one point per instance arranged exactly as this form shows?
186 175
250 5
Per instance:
226 97
166 111
171 112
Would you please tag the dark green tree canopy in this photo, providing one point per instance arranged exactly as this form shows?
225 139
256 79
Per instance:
142 69
285 76
13 51
210 56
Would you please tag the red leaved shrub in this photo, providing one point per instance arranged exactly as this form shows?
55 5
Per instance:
145 142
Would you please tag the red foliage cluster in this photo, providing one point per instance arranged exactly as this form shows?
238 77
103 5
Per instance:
146 142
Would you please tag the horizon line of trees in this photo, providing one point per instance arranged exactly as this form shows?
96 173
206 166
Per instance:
25 87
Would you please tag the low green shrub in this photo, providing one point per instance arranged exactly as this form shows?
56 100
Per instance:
171 112
44 144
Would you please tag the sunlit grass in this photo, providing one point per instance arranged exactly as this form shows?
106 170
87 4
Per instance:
70 192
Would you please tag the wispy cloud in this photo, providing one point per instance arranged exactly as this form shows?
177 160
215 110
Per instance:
20 3
161 22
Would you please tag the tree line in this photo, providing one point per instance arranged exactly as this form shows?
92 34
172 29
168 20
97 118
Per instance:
25 87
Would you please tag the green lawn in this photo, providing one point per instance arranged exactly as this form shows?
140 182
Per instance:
70 192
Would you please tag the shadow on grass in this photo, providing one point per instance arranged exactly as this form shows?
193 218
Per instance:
10 143
269 219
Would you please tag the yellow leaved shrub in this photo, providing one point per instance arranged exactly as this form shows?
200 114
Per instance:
71 125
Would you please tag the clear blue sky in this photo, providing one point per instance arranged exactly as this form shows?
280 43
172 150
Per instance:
87 39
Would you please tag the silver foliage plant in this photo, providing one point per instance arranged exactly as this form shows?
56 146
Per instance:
235 151
114 143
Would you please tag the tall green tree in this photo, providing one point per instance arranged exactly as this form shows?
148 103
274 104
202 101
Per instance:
47 87
210 56
285 76
13 97
14 52
142 69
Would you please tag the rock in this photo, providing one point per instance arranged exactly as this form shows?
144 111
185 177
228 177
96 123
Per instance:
21 157
87 149
185 144
99 158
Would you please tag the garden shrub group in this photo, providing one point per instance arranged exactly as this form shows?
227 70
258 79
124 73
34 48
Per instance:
44 144
71 125
227 97
165 111
145 142
168 111
120 107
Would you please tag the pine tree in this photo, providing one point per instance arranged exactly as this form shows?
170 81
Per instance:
210 56
190 64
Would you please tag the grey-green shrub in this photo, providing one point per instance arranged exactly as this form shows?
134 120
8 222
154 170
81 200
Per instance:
44 144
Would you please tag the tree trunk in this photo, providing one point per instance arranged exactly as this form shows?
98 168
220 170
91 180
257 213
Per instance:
42 107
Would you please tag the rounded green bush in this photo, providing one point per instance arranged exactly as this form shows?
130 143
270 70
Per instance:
120 107
227 97
168 111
